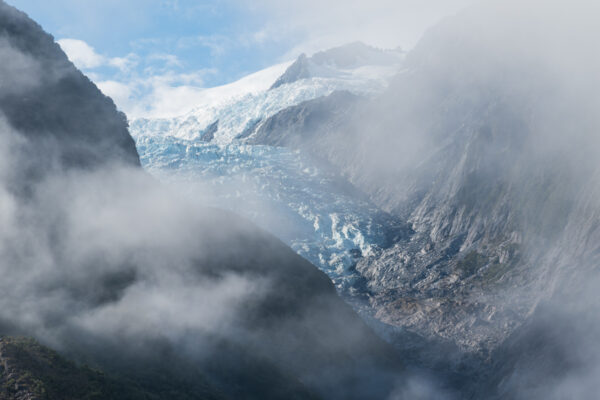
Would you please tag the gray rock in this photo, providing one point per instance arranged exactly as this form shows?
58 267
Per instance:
209 133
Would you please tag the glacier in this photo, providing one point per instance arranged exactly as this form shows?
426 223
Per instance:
313 210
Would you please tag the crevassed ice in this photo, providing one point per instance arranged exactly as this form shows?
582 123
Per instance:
279 190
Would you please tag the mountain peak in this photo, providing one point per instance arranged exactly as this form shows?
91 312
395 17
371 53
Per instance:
300 69
329 62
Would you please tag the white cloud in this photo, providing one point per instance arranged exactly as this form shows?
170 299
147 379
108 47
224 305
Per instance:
124 63
85 56
157 94
121 93
169 94
154 89
170 60
325 23
218 44
81 54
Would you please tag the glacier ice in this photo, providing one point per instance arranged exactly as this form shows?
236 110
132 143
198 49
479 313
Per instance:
280 190
311 209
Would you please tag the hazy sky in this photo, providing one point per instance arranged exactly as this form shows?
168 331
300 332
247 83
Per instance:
132 47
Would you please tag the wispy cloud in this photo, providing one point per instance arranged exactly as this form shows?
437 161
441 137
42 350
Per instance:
157 84
158 94
85 56
81 54
318 24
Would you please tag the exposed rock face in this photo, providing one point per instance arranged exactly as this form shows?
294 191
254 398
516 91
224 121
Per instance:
484 148
323 63
298 70
459 198
14 382
209 133
297 125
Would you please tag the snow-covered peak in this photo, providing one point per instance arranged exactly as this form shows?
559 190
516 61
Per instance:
234 111
251 84
351 59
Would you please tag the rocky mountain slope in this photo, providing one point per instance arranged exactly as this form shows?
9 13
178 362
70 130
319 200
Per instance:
461 147
487 145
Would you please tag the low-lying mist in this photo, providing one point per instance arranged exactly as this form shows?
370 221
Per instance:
487 144
84 245
109 266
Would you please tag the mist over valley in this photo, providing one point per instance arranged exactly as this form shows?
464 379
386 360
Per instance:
349 222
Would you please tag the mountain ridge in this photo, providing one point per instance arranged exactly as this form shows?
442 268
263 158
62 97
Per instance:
346 57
